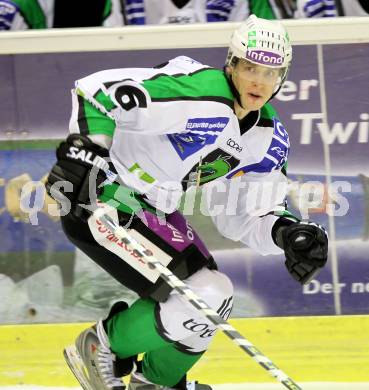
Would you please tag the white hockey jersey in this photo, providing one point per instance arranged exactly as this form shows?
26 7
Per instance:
40 14
183 12
173 127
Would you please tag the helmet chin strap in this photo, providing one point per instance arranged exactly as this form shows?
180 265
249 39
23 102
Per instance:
280 85
279 88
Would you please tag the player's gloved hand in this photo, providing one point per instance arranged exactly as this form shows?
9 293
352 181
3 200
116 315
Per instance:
305 245
81 163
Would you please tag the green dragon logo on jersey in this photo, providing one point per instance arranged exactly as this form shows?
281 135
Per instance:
216 164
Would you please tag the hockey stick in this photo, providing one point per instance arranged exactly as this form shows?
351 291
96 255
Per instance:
194 299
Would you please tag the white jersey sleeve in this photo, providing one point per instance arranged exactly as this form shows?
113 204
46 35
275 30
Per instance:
240 11
242 208
115 16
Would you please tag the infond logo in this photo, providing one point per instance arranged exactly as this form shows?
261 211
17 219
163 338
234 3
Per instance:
264 57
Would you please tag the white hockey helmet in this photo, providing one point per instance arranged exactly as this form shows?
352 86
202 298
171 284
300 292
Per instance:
263 42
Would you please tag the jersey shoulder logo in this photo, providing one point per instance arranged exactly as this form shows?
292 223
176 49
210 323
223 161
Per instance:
199 133
280 146
276 155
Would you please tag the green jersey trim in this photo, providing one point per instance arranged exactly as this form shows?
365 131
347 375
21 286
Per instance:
141 173
32 13
124 199
285 168
107 9
104 100
268 112
219 99
92 121
285 214
207 84
262 9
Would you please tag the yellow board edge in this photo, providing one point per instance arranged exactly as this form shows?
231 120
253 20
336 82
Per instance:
309 349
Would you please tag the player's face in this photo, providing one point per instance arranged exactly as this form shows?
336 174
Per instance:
254 83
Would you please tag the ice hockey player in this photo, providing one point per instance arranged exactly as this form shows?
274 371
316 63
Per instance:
40 14
162 130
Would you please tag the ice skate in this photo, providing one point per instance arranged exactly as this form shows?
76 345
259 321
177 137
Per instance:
93 363
139 382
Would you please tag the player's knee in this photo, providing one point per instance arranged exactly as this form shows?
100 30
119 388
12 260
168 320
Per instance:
179 321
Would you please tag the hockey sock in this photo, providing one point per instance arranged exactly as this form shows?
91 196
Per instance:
135 331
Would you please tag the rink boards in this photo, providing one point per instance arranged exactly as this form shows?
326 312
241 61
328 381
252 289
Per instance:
309 349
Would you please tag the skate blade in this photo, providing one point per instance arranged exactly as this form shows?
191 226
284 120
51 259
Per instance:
197 386
77 366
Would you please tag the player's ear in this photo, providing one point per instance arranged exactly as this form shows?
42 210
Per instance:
228 69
